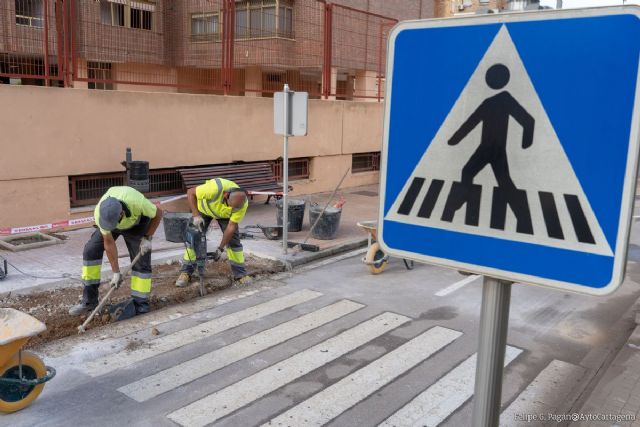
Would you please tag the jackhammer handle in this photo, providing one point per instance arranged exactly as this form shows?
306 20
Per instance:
102 303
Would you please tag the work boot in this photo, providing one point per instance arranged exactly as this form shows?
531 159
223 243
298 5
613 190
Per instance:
242 281
183 280
89 301
142 305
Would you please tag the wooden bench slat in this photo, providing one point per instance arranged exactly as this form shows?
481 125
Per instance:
251 177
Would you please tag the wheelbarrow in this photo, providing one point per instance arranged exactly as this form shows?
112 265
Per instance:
22 373
375 259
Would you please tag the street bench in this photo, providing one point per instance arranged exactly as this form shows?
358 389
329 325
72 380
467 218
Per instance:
256 178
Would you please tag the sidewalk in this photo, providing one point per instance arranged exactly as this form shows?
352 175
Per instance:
616 398
59 265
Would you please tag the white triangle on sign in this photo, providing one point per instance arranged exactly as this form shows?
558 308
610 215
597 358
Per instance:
559 211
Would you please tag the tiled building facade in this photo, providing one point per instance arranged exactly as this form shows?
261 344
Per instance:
177 45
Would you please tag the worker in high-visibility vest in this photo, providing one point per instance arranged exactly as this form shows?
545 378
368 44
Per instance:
122 211
224 201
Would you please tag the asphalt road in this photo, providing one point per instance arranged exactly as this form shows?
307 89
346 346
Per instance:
333 345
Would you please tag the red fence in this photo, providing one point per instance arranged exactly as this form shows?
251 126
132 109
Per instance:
32 41
196 46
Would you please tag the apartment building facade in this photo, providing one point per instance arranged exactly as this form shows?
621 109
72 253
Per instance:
117 49
246 47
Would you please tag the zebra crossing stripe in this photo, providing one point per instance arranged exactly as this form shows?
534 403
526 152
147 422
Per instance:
552 385
221 403
183 373
190 335
332 401
441 399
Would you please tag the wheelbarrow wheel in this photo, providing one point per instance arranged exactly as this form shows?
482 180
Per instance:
376 259
16 397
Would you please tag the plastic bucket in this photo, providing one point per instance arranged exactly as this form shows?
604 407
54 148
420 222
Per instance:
175 224
327 226
296 213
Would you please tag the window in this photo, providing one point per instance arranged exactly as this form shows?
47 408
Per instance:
30 13
365 162
264 18
141 19
205 26
285 23
99 73
298 168
127 13
112 13
87 189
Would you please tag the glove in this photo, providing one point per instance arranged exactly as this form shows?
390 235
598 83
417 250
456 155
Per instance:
145 245
198 221
217 254
116 280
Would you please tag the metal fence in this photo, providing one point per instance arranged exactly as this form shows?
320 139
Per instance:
231 47
32 41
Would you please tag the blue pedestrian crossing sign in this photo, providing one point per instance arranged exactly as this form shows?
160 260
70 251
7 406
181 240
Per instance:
511 145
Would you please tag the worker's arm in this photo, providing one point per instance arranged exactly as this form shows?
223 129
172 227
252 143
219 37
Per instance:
232 227
112 252
193 201
155 222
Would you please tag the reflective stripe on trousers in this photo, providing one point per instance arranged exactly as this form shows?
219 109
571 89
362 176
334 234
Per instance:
189 255
236 260
91 271
141 274
140 284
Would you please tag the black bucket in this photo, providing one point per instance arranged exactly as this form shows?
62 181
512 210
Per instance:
138 175
296 213
175 224
327 226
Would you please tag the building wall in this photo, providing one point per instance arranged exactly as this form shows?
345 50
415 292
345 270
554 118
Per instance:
57 133
398 9
34 201
446 8
106 43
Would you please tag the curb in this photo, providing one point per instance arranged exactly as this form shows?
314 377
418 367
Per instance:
292 261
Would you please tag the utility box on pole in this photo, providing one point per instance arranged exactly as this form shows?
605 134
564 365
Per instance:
297 111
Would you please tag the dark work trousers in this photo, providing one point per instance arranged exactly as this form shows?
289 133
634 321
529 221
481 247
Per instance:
140 273
235 253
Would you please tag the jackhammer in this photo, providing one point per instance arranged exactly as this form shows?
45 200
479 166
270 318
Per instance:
195 238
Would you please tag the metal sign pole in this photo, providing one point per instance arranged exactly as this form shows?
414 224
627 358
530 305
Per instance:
285 173
494 323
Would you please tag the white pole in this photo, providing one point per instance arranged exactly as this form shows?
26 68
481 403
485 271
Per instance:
285 173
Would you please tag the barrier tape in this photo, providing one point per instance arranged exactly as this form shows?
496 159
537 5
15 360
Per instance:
8 231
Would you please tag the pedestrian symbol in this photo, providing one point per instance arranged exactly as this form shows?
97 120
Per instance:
499 176
506 173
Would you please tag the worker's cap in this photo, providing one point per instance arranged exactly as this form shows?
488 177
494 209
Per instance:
110 210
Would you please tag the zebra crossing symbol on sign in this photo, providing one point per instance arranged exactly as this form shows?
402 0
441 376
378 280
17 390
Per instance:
502 186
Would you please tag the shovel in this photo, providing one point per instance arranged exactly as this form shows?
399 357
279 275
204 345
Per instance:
125 273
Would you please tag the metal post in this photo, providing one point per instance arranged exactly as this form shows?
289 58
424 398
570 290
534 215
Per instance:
47 81
494 322
285 173
65 45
